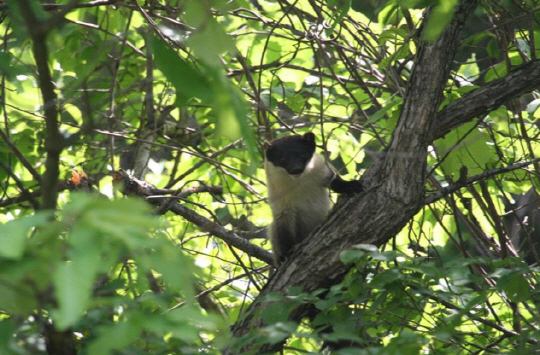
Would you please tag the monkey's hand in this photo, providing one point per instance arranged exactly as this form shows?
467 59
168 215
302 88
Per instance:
346 187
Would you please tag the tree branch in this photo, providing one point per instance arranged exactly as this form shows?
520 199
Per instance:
480 102
222 233
20 156
54 141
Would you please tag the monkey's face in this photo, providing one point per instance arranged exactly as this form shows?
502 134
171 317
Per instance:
291 153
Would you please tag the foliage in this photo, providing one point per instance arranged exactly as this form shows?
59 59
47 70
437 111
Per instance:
182 94
66 264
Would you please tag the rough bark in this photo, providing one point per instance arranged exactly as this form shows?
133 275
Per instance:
395 186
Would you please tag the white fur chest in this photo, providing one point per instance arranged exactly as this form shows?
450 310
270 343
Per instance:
305 196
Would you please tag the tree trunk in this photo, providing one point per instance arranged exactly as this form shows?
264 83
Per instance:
394 186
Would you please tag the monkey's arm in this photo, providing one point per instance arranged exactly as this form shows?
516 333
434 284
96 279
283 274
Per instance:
337 184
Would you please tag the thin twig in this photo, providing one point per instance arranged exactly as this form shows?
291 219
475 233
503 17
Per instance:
485 175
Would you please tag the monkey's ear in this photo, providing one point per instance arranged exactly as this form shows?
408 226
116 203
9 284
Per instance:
309 137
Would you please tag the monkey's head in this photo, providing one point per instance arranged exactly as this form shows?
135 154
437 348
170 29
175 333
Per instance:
291 153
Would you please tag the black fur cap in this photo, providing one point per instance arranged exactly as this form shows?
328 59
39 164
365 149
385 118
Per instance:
291 153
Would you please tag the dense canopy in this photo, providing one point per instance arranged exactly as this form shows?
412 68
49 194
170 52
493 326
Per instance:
133 210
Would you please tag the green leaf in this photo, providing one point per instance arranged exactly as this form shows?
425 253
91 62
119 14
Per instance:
187 80
6 64
210 40
341 9
214 89
382 112
101 230
358 253
392 34
114 337
407 342
126 221
278 312
440 17
7 338
352 256
16 299
174 267
278 331
273 52
384 278
74 280
469 71
390 15
13 235
33 6
515 286
465 146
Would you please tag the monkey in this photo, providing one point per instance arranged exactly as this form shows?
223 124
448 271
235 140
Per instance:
298 180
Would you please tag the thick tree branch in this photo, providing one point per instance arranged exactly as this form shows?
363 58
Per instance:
480 102
54 141
395 185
